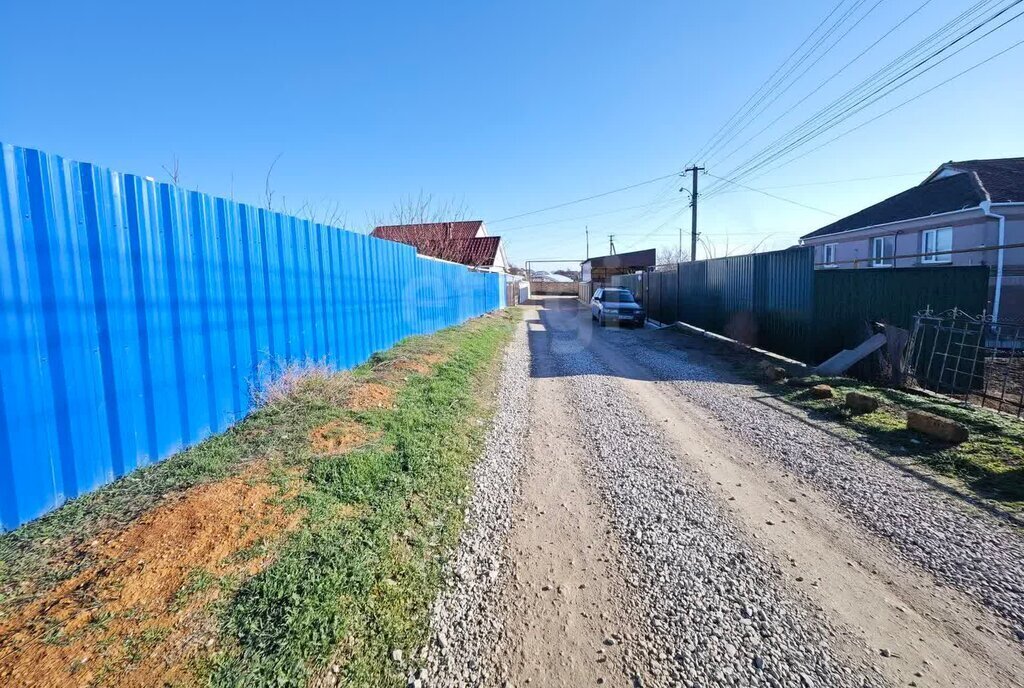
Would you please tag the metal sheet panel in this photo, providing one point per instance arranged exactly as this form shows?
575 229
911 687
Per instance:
135 315
763 299
847 300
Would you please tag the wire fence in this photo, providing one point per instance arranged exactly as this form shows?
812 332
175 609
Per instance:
975 359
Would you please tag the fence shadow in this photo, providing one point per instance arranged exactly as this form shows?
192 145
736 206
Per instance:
565 342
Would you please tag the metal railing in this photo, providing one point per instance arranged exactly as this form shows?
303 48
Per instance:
975 359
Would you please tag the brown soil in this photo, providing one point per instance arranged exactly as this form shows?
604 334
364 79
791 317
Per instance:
127 621
421 363
370 395
339 436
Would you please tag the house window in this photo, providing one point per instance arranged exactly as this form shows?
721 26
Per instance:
828 255
936 244
882 250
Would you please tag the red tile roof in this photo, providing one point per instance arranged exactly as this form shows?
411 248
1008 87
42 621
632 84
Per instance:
409 234
454 241
475 251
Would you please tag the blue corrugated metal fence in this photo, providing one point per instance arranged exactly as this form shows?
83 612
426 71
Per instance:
136 314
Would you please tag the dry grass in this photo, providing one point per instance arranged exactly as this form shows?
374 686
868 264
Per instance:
297 383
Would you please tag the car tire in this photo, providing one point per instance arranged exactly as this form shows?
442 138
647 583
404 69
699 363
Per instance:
601 321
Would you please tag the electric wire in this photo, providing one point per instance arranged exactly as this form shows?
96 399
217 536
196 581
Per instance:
786 143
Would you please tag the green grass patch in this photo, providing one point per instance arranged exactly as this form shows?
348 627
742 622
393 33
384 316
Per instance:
356 580
199 582
358 575
989 464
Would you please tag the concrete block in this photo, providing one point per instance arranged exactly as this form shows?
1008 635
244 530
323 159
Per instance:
842 361
859 402
937 427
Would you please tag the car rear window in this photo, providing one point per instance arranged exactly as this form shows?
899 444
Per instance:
618 297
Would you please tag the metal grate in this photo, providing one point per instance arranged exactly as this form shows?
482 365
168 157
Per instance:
975 359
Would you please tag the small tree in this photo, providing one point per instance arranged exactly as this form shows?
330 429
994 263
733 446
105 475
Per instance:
668 255
439 240
422 209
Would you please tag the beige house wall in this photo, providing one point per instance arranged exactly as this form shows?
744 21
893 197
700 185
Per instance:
971 229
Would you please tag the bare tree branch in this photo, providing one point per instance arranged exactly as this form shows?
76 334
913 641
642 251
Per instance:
422 209
268 192
173 172
672 254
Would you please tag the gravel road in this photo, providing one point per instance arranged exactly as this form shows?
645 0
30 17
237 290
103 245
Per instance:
640 518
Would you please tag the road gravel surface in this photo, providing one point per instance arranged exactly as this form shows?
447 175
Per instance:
641 517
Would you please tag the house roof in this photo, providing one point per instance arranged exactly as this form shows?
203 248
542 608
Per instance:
475 251
633 259
409 234
953 186
1002 178
454 241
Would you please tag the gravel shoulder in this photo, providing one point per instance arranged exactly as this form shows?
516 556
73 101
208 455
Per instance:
466 620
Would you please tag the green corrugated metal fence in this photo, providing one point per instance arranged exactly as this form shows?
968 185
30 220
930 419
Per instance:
845 299
779 302
764 299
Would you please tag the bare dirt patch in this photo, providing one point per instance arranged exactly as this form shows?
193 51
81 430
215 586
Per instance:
421 364
339 436
138 616
369 396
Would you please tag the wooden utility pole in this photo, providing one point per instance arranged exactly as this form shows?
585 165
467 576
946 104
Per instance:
587 231
693 204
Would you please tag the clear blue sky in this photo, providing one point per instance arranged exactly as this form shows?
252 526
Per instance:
510 106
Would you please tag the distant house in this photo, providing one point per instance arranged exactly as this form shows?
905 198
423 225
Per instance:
545 276
601 269
465 242
963 213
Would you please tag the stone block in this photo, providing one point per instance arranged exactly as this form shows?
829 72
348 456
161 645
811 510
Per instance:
937 427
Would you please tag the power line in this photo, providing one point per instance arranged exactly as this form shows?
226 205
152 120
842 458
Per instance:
779 93
870 82
588 198
899 105
841 181
585 217
829 78
722 233
839 119
671 218
722 131
770 195
866 84
780 147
